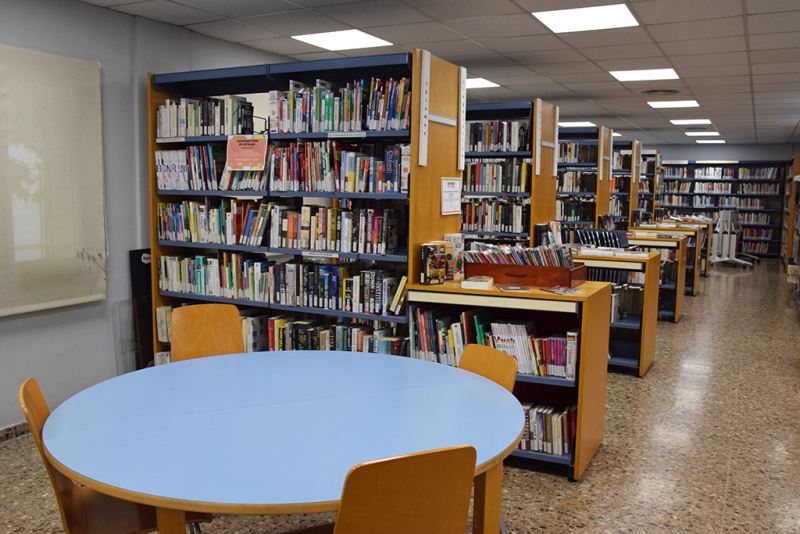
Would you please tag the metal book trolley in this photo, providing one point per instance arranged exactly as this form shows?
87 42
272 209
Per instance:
725 241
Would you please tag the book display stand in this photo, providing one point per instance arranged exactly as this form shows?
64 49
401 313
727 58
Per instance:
673 272
632 343
585 311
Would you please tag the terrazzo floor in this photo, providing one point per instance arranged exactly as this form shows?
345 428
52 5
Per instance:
707 441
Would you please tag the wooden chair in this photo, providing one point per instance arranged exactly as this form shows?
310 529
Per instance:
84 510
424 493
205 330
490 363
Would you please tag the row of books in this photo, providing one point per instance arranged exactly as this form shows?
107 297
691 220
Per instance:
499 136
752 247
496 215
676 173
191 117
618 206
755 218
575 209
676 200
196 167
374 105
577 153
330 166
252 277
645 204
751 233
729 202
510 175
620 160
707 187
549 430
759 189
730 173
620 184
686 187
285 332
576 181
615 276
644 187
626 300
542 256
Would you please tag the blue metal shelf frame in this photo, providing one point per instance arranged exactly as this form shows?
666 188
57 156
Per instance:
493 111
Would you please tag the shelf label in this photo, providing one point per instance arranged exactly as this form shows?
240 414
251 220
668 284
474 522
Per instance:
347 135
246 153
319 254
170 140
451 196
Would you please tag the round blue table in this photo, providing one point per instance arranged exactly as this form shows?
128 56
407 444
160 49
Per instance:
275 432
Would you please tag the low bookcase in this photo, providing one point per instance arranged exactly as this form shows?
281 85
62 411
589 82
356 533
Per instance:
586 311
672 287
694 245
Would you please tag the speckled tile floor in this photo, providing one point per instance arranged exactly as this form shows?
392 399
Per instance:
707 441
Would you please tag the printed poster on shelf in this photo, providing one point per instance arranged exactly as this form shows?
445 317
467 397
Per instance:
246 153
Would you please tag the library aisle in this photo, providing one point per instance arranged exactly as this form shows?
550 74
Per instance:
707 441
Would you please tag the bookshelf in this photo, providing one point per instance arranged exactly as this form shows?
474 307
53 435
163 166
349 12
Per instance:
632 340
754 188
587 311
584 175
671 289
537 195
625 182
693 256
649 183
688 228
433 130
789 226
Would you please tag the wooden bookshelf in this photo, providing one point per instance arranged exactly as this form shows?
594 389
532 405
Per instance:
600 137
541 118
789 227
693 255
670 292
434 132
630 174
587 310
636 354
688 228
652 180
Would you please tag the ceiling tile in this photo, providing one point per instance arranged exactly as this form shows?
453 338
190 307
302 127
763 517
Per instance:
777 78
704 46
523 81
716 89
500 25
430 32
774 41
583 77
107 3
284 45
774 22
488 60
622 52
375 13
395 49
642 63
443 9
664 11
452 49
525 43
316 56
720 72
776 68
771 87
239 8
582 88
546 56
775 56
770 6
231 30
617 36
680 31
704 82
320 3
296 23
502 71
574 67
710 60
168 12
495 93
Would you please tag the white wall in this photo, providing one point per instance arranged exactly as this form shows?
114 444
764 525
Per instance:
725 152
69 349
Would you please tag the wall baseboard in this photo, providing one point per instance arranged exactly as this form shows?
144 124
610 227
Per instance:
14 431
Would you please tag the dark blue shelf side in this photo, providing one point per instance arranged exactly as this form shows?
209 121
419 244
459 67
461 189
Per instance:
344 136
631 322
319 194
341 313
208 193
193 140
547 380
493 111
341 70
232 80
563 459
493 194
208 298
213 246
516 154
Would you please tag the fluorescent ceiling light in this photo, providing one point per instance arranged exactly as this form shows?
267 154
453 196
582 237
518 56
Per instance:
702 134
615 134
480 83
587 18
342 40
577 124
644 75
710 141
682 122
674 104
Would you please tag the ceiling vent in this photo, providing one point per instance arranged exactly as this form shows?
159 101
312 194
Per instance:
661 92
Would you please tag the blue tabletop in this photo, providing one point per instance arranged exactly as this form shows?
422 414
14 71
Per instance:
272 428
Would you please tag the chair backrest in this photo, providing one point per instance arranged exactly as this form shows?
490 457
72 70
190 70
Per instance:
425 492
36 412
490 363
205 330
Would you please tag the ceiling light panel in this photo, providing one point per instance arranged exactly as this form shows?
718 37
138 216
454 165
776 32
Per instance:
710 141
702 134
342 40
480 83
576 124
644 75
587 18
674 104
686 122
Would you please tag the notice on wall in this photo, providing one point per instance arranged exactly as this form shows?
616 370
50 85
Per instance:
451 196
246 153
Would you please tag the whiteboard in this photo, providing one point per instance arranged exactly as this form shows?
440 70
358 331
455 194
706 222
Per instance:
52 232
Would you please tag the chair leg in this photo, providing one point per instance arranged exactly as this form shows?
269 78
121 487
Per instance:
503 529
194 528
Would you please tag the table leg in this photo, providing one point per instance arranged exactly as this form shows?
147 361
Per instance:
488 497
170 521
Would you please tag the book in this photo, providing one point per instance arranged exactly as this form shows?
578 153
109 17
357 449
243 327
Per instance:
433 266
561 290
478 282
